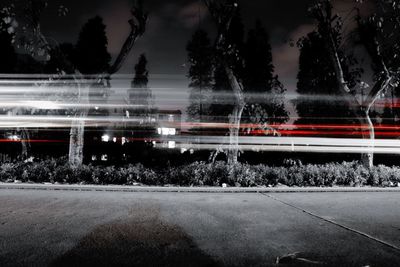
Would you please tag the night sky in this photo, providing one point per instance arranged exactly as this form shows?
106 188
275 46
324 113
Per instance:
171 24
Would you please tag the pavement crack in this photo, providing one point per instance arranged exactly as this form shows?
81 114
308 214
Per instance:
355 231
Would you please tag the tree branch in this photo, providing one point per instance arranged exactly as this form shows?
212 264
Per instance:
368 33
222 13
138 27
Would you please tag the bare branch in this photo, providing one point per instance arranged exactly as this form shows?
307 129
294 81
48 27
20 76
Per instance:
222 13
138 27
368 34
379 88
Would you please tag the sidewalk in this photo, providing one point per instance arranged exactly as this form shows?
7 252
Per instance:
45 225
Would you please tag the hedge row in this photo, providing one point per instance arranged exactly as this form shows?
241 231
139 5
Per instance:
204 174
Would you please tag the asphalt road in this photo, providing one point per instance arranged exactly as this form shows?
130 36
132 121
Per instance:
69 228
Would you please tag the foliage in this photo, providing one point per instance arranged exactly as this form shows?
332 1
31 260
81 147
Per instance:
223 98
92 56
139 94
7 51
204 174
265 94
141 73
200 57
317 85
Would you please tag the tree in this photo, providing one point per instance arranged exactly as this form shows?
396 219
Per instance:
376 34
142 107
62 59
138 28
223 14
8 56
37 44
140 94
222 96
259 68
141 73
200 55
265 94
319 99
92 56
9 62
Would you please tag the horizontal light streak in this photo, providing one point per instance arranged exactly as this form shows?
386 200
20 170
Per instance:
54 105
284 144
305 141
33 141
296 148
291 144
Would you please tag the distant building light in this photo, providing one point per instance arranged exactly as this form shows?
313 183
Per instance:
94 158
14 138
104 157
166 131
105 138
171 144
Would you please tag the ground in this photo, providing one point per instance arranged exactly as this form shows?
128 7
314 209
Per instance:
70 228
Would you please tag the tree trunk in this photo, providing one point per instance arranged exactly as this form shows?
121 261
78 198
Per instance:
25 143
77 132
368 133
76 141
236 117
234 131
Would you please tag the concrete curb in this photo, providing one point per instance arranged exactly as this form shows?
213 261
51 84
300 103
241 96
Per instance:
149 189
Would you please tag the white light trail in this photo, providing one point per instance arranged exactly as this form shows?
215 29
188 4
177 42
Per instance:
290 144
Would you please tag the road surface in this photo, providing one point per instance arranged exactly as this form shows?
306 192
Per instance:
73 228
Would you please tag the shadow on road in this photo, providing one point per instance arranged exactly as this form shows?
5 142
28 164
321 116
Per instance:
140 242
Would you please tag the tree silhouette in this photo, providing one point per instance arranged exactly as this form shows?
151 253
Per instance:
7 52
228 53
223 98
62 59
141 73
139 93
92 56
379 34
200 56
265 94
319 99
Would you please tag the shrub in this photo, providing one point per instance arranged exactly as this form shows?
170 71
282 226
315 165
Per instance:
204 174
139 174
7 172
36 172
242 175
217 174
